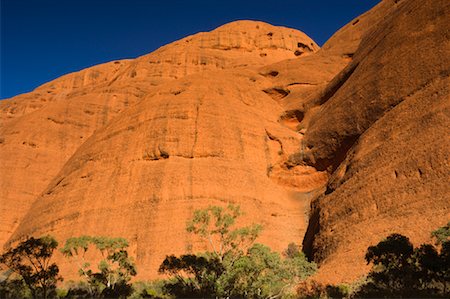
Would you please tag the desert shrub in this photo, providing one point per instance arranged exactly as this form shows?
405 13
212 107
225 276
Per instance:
442 234
61 293
263 273
12 288
78 290
313 289
150 289
193 275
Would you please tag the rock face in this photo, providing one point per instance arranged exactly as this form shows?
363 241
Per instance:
251 114
379 132
131 148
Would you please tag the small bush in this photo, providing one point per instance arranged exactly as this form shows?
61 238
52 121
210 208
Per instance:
14 288
78 290
150 289
62 293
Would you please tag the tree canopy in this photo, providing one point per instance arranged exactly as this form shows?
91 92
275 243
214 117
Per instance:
236 266
31 260
115 268
399 269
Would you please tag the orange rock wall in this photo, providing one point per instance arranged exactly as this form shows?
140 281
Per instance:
251 114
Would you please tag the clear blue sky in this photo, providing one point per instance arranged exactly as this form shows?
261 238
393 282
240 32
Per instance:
44 39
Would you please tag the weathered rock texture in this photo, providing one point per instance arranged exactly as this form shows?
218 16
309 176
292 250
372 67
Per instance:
131 148
380 132
251 114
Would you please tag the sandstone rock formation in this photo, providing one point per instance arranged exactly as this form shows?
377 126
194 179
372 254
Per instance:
251 114
132 147
380 132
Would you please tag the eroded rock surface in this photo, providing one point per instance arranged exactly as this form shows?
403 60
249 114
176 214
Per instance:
251 114
131 148
380 133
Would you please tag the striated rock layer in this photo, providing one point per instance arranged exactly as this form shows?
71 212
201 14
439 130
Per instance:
251 114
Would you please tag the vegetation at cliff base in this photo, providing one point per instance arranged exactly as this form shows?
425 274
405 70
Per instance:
235 266
114 270
398 271
28 264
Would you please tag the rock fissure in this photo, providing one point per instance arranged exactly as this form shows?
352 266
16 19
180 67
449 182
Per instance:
274 138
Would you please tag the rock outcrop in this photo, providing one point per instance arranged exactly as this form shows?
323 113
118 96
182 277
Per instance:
250 114
380 133
131 148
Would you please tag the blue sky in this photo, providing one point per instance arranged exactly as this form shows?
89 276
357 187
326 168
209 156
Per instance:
44 39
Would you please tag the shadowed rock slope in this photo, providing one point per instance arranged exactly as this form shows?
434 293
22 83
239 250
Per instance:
382 133
251 114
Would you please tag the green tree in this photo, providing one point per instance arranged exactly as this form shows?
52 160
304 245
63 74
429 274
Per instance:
192 275
393 269
297 267
115 268
433 267
263 273
215 224
400 270
75 249
235 266
445 262
30 260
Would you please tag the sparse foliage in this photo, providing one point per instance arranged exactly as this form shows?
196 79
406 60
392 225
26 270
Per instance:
115 269
13 286
442 234
215 224
262 273
30 260
149 289
236 267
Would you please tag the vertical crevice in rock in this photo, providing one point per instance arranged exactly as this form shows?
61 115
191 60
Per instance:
196 129
311 232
